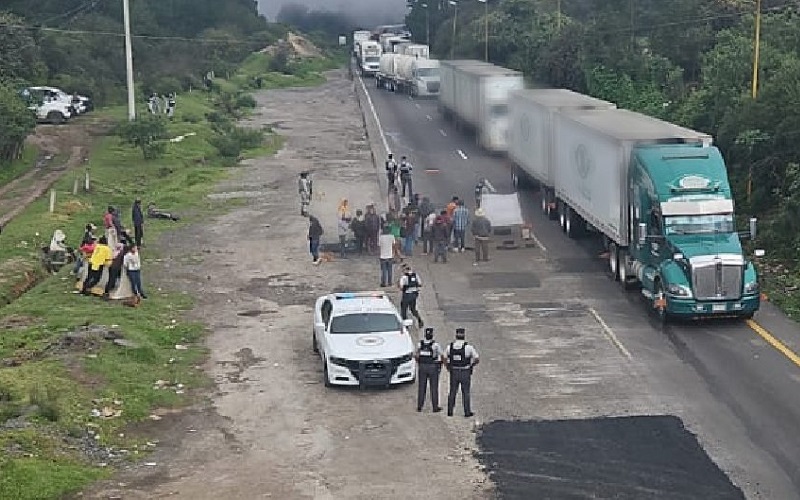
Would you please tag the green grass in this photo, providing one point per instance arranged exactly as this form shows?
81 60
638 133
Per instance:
50 386
16 168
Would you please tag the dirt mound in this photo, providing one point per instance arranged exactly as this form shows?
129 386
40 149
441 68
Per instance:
295 45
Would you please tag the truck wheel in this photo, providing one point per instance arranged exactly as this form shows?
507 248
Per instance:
562 215
613 262
545 205
622 273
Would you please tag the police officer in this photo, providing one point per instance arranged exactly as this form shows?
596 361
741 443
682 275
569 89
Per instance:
409 286
429 361
405 176
391 171
461 358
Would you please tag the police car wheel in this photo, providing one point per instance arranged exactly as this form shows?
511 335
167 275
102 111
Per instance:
325 378
314 345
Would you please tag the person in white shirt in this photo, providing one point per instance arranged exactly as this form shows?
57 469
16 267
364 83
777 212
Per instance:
343 228
427 233
387 246
461 359
132 264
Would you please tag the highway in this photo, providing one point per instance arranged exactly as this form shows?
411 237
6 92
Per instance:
582 391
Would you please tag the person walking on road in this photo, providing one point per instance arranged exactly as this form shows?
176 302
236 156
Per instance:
409 286
388 249
359 228
429 365
482 231
305 189
343 227
372 226
461 359
427 232
137 216
441 237
391 172
405 176
314 234
460 224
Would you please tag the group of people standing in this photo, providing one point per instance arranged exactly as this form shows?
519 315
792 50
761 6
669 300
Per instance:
115 251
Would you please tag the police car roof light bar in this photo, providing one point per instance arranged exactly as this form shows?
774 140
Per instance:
360 295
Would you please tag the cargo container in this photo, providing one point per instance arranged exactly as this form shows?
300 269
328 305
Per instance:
532 136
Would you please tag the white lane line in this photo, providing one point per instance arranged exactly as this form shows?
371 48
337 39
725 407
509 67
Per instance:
428 117
610 334
375 114
443 132
538 243
462 155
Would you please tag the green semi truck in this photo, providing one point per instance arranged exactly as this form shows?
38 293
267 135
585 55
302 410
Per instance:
658 195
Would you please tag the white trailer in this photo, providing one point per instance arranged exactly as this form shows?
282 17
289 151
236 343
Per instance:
417 76
386 77
358 37
482 102
413 49
592 156
532 135
447 88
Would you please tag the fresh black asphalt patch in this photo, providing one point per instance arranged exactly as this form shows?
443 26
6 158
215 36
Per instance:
643 457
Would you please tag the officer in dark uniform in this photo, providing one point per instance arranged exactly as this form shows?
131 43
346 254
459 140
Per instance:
410 285
405 176
461 359
429 362
391 171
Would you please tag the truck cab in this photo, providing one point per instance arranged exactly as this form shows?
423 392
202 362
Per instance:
425 77
686 251
370 59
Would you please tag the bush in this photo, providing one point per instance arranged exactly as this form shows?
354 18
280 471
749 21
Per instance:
245 101
230 144
280 61
147 132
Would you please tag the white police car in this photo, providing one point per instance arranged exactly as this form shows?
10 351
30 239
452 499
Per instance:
362 340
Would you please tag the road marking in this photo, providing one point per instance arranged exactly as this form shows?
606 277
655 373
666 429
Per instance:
428 117
462 155
610 334
538 243
777 344
375 114
432 171
443 132
416 104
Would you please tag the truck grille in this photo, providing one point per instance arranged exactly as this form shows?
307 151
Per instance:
717 282
433 87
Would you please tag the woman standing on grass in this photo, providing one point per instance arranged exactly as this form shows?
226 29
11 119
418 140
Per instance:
133 267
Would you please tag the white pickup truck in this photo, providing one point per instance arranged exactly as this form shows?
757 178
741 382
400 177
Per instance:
53 105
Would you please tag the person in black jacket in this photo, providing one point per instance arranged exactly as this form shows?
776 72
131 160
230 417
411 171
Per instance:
314 234
138 222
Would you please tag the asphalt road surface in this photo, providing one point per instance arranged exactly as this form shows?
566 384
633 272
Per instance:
564 348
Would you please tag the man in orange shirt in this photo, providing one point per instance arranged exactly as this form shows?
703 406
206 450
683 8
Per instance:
451 208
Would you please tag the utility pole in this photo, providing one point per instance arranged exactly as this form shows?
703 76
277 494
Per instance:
427 25
558 16
485 29
126 14
455 20
757 48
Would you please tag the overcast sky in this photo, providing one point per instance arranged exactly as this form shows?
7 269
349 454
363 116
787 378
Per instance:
368 12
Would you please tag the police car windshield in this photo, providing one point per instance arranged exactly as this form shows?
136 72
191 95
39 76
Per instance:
365 323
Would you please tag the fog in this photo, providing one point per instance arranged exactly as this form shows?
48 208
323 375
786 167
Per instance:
367 13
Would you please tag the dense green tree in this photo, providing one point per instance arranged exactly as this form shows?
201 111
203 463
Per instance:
16 124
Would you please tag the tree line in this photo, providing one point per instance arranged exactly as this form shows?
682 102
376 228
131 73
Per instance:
78 45
686 61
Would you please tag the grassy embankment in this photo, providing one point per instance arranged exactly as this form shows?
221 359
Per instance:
57 371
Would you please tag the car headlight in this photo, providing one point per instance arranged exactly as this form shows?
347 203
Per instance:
337 361
751 288
405 359
679 291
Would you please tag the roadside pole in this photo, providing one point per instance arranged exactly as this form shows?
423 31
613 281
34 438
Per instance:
129 59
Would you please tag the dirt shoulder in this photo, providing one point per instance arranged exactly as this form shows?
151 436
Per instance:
271 429
61 149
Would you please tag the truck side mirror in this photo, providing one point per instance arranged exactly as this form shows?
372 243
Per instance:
753 224
642 236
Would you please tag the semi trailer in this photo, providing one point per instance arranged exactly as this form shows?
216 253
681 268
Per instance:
476 95
658 195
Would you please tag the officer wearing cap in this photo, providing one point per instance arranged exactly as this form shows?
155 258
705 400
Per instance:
429 360
461 357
